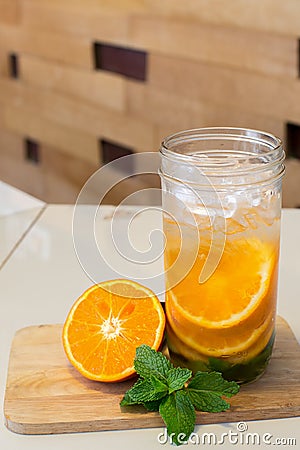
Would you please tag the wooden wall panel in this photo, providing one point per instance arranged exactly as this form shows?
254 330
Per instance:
9 11
97 87
208 63
27 122
274 16
14 169
242 49
108 25
99 122
122 6
226 87
62 48
58 177
64 175
281 17
266 52
23 175
3 62
9 142
172 112
160 106
290 185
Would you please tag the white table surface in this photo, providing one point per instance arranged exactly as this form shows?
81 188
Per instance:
18 211
42 278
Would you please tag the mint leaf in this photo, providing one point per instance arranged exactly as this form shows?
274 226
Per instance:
152 406
149 362
158 385
213 381
179 416
207 389
127 400
144 391
177 377
207 401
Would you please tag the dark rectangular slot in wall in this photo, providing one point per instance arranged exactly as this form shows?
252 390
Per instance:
32 151
293 140
111 151
13 65
125 61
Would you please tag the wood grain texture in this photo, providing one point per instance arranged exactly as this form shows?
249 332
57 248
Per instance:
10 11
123 6
45 394
169 31
266 53
63 48
9 142
3 62
28 122
14 169
267 15
225 86
95 87
102 24
290 184
209 63
98 121
64 175
172 112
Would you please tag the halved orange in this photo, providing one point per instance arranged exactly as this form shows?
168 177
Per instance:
106 325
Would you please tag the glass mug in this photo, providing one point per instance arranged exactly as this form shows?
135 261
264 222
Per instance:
221 195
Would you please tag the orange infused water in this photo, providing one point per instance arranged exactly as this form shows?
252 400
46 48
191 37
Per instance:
225 323
221 197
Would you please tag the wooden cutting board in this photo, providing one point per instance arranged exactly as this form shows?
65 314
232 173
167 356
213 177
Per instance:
45 394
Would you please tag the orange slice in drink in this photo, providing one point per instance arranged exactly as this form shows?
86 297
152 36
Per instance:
234 307
106 325
227 343
176 345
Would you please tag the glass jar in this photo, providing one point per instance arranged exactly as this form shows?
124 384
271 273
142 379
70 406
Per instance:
221 194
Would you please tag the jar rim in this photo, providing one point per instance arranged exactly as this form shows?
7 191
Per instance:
224 151
208 133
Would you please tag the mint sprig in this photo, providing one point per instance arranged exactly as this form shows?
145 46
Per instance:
175 393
